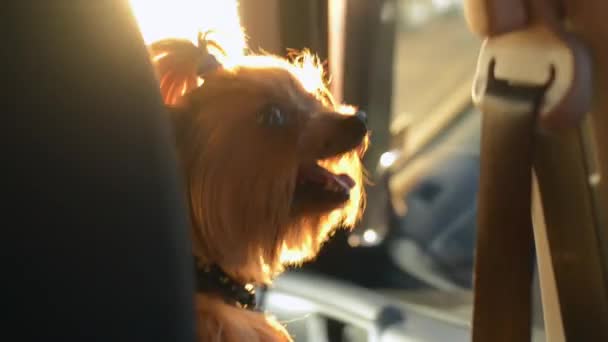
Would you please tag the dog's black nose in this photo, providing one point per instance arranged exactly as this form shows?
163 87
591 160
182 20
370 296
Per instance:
330 133
362 116
356 125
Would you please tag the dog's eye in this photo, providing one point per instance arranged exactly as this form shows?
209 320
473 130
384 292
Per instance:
272 116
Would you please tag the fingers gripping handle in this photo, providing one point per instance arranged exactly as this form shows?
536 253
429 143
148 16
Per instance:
488 18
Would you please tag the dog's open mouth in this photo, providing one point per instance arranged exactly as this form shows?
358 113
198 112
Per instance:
319 188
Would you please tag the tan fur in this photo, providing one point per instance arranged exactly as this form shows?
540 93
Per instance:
220 322
241 179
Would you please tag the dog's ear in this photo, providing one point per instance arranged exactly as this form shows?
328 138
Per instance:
180 65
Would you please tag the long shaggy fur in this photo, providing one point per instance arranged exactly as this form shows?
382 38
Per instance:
241 179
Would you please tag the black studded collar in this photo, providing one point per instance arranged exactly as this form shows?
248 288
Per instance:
212 279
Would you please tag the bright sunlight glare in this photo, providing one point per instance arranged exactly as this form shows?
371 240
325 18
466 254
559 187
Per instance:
370 236
161 19
184 19
387 159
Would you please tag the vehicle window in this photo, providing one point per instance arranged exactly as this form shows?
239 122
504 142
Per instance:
434 190
435 58
424 257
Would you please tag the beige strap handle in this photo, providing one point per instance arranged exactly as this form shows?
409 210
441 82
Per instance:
530 74
536 55
504 246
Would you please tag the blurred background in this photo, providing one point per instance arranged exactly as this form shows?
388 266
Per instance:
410 65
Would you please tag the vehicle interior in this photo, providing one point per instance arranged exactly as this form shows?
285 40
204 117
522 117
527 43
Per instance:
485 217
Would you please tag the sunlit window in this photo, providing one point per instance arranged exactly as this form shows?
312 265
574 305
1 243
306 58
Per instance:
159 19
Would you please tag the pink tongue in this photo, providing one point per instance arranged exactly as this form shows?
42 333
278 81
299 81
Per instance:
312 173
321 176
345 181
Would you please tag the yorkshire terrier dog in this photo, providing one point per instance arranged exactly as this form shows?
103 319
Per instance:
271 164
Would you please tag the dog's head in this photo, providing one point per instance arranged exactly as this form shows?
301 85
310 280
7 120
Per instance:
272 164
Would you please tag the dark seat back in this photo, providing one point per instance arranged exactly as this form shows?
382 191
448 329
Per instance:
95 242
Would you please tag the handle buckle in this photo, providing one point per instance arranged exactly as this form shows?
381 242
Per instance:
538 57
